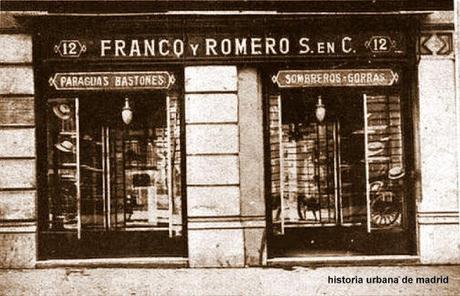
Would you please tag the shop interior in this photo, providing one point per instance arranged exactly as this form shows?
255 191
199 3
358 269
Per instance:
114 169
337 172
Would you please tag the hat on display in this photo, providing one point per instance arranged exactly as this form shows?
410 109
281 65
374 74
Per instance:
62 111
376 186
65 146
375 148
395 173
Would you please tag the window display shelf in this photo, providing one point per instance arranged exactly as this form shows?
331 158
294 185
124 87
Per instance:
90 168
72 134
377 159
68 165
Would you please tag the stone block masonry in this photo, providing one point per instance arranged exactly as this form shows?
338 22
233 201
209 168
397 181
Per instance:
18 221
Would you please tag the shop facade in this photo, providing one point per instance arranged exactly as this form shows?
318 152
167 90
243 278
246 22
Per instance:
243 139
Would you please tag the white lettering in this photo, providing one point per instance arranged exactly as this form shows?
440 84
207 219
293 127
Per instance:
346 45
284 45
194 48
305 48
320 47
163 47
330 47
241 46
270 46
178 46
134 48
149 47
211 46
226 46
256 46
120 48
105 45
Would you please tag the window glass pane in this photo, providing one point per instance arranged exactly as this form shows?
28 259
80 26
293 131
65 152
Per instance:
352 187
152 169
385 161
129 175
62 167
318 169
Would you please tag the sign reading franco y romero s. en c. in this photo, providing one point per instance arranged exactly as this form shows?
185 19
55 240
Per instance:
112 80
335 77
228 46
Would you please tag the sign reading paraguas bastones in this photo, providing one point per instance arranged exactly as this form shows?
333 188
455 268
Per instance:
335 78
231 47
112 80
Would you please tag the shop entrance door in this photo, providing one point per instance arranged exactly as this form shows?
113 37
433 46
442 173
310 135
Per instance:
114 177
338 174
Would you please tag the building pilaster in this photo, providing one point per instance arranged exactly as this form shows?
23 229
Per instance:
437 211
215 233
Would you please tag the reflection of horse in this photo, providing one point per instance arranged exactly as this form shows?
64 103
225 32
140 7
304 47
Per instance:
305 204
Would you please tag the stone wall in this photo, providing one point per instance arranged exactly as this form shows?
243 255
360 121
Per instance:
224 144
17 150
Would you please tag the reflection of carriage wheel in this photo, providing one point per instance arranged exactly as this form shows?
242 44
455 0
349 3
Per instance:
384 213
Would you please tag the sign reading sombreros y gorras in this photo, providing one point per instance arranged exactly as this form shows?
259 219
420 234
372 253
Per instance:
335 78
112 80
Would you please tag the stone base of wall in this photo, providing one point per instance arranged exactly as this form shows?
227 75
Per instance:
439 238
17 250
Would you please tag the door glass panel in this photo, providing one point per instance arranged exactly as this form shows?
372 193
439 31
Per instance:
385 161
303 165
92 180
308 151
352 167
152 171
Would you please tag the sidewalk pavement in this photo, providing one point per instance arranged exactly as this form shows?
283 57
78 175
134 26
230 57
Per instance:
232 281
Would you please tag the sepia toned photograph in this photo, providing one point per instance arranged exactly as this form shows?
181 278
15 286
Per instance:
230 147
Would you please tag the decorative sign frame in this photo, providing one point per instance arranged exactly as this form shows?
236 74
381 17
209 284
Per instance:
335 78
158 80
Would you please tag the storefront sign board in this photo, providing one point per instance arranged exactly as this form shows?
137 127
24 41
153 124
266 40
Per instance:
335 78
233 46
112 80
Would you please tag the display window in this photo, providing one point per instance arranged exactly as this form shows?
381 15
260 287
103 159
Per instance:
114 175
339 171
